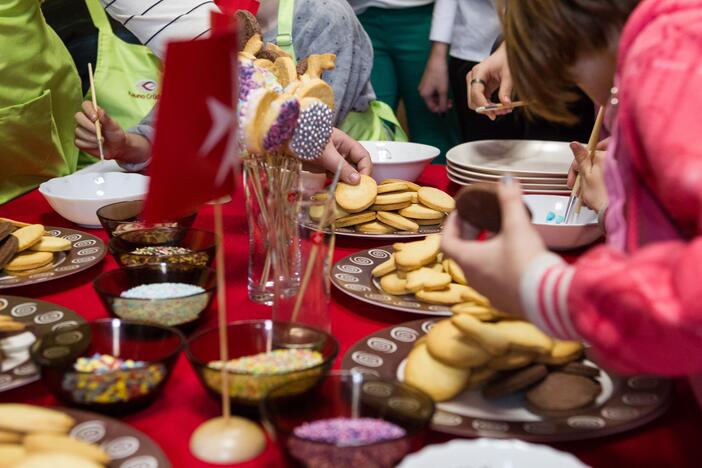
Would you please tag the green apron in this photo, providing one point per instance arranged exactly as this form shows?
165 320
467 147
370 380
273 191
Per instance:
39 94
127 76
378 123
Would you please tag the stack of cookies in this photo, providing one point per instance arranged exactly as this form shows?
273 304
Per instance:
34 437
503 357
420 268
391 206
26 249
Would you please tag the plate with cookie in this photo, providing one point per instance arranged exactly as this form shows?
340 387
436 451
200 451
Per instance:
22 322
412 277
504 378
32 436
392 209
33 253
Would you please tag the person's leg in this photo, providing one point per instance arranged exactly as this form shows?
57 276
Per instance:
408 33
383 75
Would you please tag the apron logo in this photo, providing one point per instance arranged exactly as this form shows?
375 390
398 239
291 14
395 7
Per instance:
145 89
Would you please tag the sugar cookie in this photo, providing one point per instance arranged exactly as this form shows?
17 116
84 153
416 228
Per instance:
393 285
436 199
429 222
385 268
392 187
439 381
562 352
397 221
374 227
448 296
486 335
51 244
18 417
355 198
525 336
393 198
64 444
410 185
471 295
29 260
447 344
417 211
396 206
55 460
482 313
456 272
427 279
28 236
417 254
354 219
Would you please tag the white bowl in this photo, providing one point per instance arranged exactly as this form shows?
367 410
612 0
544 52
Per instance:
398 160
77 197
583 230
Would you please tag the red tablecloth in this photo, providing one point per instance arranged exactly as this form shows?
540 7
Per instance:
673 440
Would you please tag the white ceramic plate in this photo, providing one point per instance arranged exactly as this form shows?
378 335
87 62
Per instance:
490 453
518 157
493 178
526 188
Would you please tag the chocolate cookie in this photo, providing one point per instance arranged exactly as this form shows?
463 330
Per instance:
247 25
5 229
563 392
8 249
514 381
479 206
580 368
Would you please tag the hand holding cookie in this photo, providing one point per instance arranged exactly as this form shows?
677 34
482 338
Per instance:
495 267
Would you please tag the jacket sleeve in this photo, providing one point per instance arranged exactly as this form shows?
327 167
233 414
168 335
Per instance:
642 311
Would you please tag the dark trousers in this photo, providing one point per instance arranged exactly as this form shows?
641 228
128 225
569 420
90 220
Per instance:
514 126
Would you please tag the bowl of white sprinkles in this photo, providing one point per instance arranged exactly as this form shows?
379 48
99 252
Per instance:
159 293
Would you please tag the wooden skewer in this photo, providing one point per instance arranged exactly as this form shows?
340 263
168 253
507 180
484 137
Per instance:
496 107
98 125
575 201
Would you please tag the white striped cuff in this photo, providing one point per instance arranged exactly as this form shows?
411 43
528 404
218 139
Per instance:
544 294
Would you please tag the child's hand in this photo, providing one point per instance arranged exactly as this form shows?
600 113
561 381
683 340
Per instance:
114 137
495 267
343 147
593 191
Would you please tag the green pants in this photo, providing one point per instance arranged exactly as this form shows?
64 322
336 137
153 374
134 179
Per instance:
401 48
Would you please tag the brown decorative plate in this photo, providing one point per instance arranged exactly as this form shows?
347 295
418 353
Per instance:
352 275
624 404
87 251
128 447
16 368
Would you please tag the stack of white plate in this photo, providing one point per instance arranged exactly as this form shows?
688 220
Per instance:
540 166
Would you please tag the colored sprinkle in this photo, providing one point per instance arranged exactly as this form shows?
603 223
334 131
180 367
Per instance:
550 216
162 251
278 361
103 363
559 219
346 432
162 291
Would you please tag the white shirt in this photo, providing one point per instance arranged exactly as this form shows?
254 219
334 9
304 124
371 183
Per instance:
470 26
359 6
155 22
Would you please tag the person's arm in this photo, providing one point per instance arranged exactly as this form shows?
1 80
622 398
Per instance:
155 23
434 86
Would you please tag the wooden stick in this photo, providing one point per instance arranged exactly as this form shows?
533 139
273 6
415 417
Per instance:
98 125
222 310
496 107
326 214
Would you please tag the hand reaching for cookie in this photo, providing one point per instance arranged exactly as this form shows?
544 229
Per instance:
495 267
117 144
343 147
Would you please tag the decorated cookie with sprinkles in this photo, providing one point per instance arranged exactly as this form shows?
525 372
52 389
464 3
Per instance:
314 128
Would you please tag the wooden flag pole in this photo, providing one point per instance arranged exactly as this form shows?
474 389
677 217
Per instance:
222 310
98 125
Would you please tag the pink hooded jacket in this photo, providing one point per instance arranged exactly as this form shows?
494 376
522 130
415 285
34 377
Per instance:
638 300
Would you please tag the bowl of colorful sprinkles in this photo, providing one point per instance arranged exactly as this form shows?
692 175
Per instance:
121 217
194 247
111 366
349 419
161 293
263 354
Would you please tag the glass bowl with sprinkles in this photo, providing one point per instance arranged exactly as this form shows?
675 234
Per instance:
167 294
262 354
194 247
110 366
118 218
349 419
